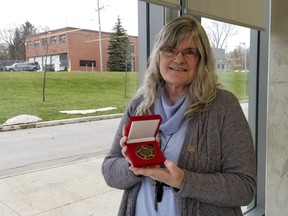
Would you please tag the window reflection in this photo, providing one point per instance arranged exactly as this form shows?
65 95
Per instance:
231 45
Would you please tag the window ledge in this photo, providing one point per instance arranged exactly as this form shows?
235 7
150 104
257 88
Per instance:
257 211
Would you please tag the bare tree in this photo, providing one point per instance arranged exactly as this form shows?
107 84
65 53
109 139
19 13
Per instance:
3 51
219 32
128 59
14 39
7 35
238 58
46 47
7 39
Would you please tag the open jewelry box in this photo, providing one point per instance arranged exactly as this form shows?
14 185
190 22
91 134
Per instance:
142 147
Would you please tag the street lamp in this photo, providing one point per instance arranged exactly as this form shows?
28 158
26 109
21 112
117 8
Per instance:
99 31
243 43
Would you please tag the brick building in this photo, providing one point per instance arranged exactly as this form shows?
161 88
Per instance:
73 49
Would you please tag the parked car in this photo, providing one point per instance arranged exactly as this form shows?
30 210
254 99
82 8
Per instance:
23 66
49 67
55 67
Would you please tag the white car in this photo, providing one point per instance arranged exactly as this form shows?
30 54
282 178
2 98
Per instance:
23 66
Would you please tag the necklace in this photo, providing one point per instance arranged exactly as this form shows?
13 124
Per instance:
166 144
157 184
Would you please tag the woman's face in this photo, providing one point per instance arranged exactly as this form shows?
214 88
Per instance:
178 66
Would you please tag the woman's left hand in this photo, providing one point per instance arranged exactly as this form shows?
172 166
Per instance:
171 174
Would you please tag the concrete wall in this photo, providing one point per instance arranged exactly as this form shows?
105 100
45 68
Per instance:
277 115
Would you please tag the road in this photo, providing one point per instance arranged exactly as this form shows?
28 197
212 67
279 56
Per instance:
37 148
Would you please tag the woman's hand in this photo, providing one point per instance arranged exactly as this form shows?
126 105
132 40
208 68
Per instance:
123 141
171 174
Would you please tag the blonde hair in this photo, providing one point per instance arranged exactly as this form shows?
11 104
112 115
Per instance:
203 88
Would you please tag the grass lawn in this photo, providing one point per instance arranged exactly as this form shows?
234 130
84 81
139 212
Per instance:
22 92
236 82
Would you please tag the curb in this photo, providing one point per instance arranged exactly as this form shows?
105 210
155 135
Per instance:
57 122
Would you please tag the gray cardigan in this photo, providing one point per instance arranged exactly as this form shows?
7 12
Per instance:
220 176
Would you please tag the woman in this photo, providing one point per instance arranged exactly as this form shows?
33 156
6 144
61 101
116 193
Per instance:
210 166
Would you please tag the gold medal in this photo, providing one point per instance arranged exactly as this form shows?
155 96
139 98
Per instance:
146 152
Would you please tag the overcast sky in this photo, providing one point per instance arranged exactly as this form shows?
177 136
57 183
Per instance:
70 13
242 38
83 14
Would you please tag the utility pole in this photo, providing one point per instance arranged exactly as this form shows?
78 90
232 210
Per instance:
100 37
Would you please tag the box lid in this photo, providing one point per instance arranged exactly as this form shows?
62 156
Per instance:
142 128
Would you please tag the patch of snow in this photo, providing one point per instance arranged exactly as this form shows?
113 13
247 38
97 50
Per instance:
87 111
22 119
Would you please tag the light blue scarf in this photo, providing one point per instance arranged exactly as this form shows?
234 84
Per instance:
172 114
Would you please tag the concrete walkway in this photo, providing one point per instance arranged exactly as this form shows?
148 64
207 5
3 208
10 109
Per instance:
75 189
72 189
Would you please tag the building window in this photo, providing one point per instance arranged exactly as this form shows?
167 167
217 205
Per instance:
44 42
87 63
53 40
36 43
62 38
132 47
29 44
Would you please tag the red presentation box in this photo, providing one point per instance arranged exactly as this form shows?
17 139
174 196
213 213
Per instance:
142 147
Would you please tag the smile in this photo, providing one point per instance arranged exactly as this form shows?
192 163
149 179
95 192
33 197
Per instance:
177 69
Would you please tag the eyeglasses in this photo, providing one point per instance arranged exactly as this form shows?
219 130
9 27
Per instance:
187 53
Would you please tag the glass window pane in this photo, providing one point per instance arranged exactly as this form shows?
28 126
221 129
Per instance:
231 45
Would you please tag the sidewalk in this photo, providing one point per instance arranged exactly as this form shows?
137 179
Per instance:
74 189
71 189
